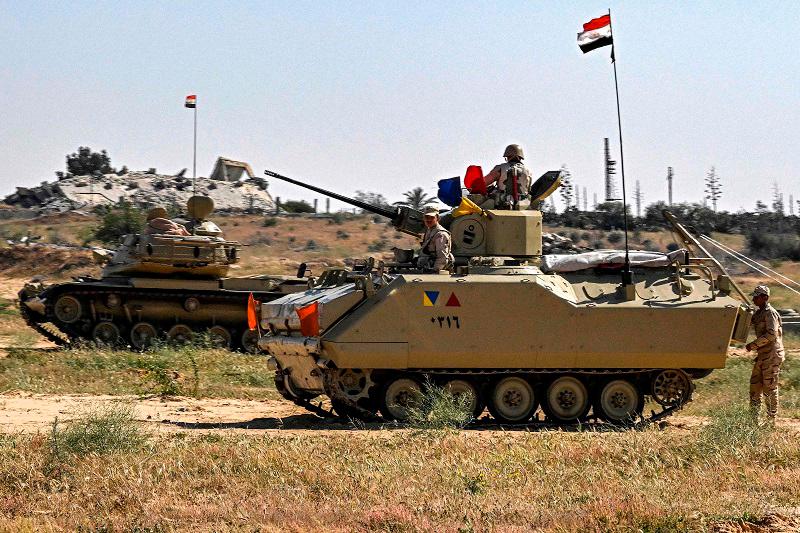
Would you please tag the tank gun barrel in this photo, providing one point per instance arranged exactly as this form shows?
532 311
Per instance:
403 218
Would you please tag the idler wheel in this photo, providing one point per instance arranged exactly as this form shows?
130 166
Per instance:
671 387
512 400
567 400
142 335
250 341
619 402
180 334
67 309
106 333
400 395
354 383
461 388
220 337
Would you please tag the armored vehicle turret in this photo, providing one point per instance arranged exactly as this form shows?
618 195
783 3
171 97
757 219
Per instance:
168 281
516 331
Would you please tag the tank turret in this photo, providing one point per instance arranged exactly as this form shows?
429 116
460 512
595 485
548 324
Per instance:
166 248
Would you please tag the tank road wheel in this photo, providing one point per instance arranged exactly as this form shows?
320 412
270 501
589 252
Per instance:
671 387
461 388
220 337
398 396
512 400
619 402
106 333
142 335
567 400
180 334
67 309
249 341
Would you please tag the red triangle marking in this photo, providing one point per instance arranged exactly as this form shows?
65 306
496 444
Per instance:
453 301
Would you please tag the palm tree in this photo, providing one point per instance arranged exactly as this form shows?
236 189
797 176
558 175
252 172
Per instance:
417 199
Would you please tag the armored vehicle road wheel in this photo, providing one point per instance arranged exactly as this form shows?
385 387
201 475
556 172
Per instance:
512 400
250 341
398 396
461 388
106 333
671 387
142 335
566 400
619 402
67 309
180 334
220 337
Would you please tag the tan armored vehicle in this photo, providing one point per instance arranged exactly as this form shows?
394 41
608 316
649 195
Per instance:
166 282
512 329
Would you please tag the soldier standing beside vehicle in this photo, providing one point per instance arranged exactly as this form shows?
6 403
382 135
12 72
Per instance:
436 244
513 180
770 354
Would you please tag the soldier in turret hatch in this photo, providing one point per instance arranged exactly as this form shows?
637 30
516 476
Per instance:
435 254
158 223
512 179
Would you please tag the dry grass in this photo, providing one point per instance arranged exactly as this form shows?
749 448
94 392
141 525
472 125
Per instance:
405 481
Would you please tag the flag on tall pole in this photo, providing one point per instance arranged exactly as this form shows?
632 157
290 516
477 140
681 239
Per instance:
191 103
598 33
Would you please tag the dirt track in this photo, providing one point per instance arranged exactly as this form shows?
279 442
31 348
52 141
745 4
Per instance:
27 412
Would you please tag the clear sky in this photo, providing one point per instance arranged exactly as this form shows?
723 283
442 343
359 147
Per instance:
386 96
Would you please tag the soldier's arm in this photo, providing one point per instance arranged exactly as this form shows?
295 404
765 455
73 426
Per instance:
492 176
770 334
442 244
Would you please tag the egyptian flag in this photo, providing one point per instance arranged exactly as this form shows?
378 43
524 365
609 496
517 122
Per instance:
596 33
191 101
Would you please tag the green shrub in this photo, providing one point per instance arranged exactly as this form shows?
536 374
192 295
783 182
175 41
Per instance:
104 430
118 221
269 222
438 408
615 237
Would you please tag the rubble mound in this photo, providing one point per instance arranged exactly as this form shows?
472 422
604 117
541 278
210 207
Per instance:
553 243
231 192
43 260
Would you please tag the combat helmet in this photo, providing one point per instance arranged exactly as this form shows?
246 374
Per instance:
514 151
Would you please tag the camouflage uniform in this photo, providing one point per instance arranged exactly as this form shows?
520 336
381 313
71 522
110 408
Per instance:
767 365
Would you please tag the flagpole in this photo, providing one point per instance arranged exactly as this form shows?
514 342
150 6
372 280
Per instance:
194 155
627 274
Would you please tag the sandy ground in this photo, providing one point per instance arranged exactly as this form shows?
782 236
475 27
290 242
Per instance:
28 412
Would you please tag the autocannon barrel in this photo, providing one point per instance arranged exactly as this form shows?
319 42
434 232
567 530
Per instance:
403 218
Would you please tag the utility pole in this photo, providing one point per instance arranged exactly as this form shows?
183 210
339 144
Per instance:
610 171
594 202
637 194
669 185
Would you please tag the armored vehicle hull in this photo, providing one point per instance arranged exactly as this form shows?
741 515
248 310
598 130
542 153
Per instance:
136 311
585 350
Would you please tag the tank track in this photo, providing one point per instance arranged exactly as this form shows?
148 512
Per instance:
62 338
353 410
57 337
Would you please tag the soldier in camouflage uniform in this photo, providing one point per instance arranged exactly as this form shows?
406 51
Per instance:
436 244
770 354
